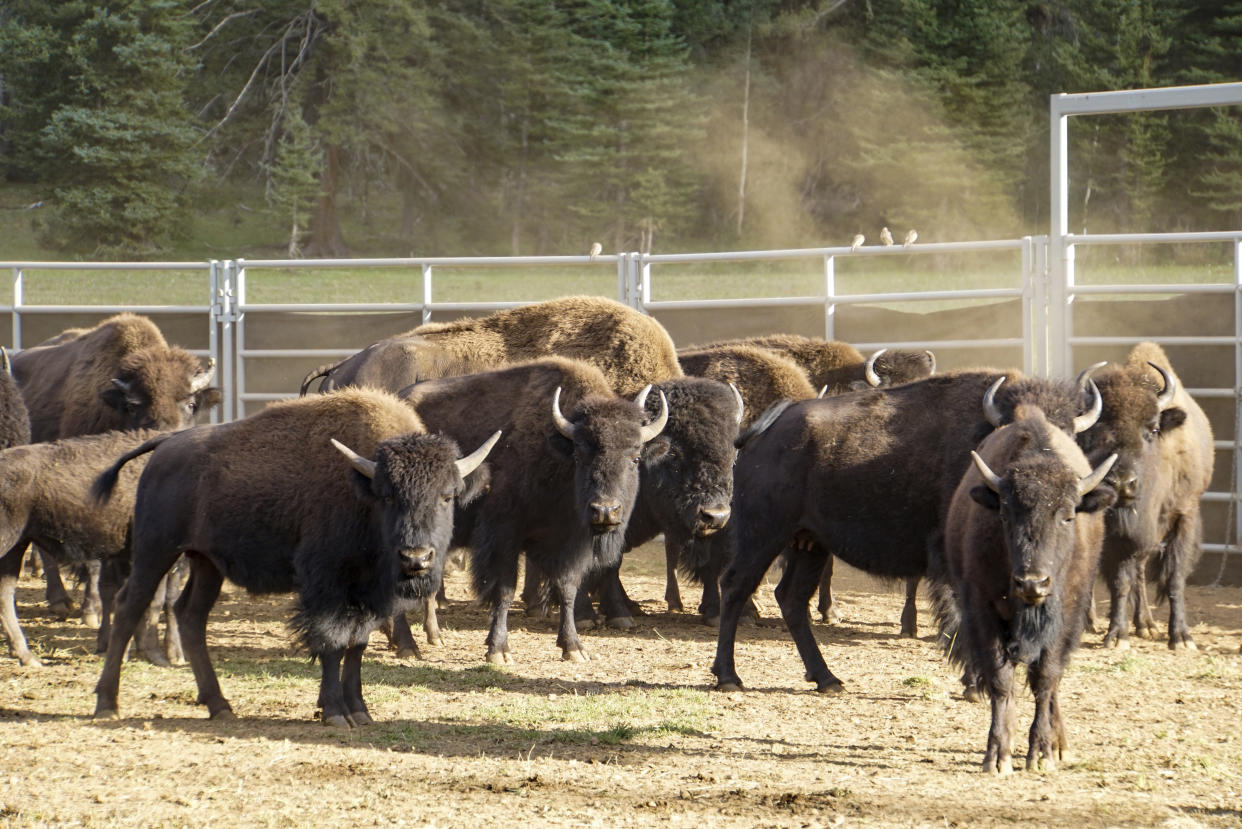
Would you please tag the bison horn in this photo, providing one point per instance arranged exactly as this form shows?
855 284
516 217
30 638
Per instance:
990 410
1165 399
1086 420
123 385
5 363
562 423
656 426
364 465
931 356
1085 374
203 379
472 461
822 392
741 405
873 379
989 477
1090 482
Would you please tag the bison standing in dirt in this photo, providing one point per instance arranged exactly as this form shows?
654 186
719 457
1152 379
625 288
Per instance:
1022 548
631 348
866 477
1165 456
343 498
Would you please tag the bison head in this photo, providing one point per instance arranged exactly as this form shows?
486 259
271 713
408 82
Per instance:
1138 410
686 474
605 437
160 388
887 368
413 483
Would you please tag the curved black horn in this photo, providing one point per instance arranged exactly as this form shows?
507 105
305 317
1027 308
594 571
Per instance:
1090 482
656 426
741 405
203 379
363 465
1165 399
1086 420
874 380
989 477
472 461
562 423
990 410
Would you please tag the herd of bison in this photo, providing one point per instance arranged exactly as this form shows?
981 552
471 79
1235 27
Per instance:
552 438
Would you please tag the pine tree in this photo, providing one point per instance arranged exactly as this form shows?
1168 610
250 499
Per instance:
293 185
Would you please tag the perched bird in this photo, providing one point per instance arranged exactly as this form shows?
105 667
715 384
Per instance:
596 249
857 243
910 237
886 237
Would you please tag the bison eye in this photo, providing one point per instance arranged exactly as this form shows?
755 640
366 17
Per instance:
446 499
637 459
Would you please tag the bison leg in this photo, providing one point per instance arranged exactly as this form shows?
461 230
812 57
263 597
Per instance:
1047 738
998 759
1144 622
1181 553
147 637
192 608
34 564
827 607
535 591
331 700
567 635
431 622
1120 586
132 604
672 593
111 577
58 600
910 613
92 603
614 603
397 629
751 561
174 584
10 569
793 594
351 684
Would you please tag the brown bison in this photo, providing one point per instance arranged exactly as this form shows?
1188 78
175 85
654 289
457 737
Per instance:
1022 548
763 378
14 421
121 374
563 479
342 498
1165 456
631 348
45 499
866 477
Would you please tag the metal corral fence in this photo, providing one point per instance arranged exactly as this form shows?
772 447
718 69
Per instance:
1008 313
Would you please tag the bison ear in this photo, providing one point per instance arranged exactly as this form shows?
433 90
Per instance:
561 444
655 449
475 484
207 398
985 497
1171 418
1100 498
116 396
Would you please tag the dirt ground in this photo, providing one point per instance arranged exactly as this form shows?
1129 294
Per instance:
633 737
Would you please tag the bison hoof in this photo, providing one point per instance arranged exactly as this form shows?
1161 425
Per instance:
710 621
1117 643
675 606
1184 642
1002 766
406 652
973 695
62 609
223 715
1044 764
337 721
729 685
359 718
830 616
578 655
499 658
91 619
434 639
157 658
107 713
29 661
831 686
621 622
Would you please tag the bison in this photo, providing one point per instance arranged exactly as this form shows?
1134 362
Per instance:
631 348
14 420
763 378
1022 548
563 480
1165 456
866 477
45 500
342 498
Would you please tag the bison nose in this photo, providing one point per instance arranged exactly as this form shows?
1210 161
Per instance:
710 520
1127 486
416 560
605 514
1032 588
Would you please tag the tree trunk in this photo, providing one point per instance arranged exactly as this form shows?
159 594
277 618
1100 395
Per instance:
741 185
326 240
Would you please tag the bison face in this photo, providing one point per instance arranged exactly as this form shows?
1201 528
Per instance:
686 474
413 484
160 388
605 438
1137 413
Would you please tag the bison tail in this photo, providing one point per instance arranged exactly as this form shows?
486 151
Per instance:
103 486
949 620
765 420
322 371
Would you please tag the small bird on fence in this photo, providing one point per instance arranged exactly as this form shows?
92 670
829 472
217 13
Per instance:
910 238
857 243
886 237
596 250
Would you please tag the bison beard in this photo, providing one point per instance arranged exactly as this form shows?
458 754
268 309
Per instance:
1033 629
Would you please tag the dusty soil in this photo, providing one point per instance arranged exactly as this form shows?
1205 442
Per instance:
633 737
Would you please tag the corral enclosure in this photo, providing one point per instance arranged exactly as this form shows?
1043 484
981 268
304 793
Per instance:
632 738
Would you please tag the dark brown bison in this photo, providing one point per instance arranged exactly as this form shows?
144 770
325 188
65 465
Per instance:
1165 456
563 479
631 348
343 498
45 500
867 477
1022 548
838 367
121 374
14 421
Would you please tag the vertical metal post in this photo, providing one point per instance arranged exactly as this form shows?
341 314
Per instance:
623 270
1030 307
830 296
1236 503
1060 254
644 271
213 324
427 292
17 308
